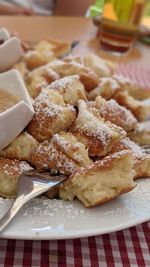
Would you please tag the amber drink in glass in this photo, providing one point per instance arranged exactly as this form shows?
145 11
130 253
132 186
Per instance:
120 23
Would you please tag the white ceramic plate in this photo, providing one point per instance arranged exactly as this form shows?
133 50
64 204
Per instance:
55 219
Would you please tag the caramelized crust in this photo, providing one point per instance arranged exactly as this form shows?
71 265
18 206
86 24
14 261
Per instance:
107 88
51 116
89 79
21 148
101 67
113 112
38 79
141 159
141 134
140 109
63 153
70 88
45 52
96 134
58 47
134 90
101 181
10 169
35 58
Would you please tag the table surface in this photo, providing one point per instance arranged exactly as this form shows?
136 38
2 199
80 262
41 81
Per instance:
33 29
126 248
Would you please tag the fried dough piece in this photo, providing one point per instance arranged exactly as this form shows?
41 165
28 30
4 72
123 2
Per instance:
59 48
35 58
10 170
63 153
21 148
134 90
141 159
107 88
140 109
89 79
70 88
113 112
39 79
141 134
45 52
51 116
96 134
100 66
101 181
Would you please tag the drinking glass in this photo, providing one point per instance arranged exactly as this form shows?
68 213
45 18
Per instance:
120 23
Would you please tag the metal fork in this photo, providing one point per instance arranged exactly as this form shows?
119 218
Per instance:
31 184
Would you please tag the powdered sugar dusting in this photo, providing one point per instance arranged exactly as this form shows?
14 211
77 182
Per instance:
15 167
91 125
143 127
63 83
117 114
110 81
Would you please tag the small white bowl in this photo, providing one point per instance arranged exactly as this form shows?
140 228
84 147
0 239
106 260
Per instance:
16 118
4 34
10 51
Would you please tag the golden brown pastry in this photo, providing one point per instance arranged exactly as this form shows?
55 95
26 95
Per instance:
63 154
59 48
141 159
45 52
107 88
111 111
100 66
10 169
141 134
96 134
39 78
21 148
101 181
51 116
35 58
89 79
140 109
70 88
134 90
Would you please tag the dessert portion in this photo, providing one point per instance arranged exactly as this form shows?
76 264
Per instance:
10 169
51 116
63 154
46 51
87 125
21 148
70 88
140 156
38 79
97 135
141 134
101 181
66 68
111 111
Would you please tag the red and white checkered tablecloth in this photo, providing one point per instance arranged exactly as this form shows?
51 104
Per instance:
126 248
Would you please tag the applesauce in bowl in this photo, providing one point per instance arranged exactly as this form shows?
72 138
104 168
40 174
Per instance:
7 100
